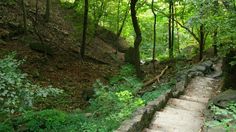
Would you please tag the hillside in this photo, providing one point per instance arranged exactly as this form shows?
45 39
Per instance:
56 61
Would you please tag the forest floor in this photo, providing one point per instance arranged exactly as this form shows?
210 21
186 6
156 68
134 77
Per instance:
63 66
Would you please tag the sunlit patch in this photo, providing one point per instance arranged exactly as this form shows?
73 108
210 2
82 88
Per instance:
69 1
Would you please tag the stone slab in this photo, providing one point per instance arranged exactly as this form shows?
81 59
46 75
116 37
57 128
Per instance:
186 105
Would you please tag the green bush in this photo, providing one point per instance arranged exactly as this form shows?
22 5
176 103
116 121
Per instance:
43 120
6 128
115 102
51 120
126 80
160 89
16 92
8 2
110 108
227 117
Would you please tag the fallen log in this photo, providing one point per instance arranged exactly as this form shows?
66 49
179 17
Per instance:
156 78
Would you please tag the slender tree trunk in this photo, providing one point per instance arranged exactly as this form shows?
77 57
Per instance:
118 17
117 26
36 11
138 37
82 48
97 16
123 22
202 41
47 11
178 38
216 7
24 15
172 29
202 35
215 42
154 33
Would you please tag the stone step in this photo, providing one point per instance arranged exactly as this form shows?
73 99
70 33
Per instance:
172 115
186 105
175 110
199 92
194 99
151 130
173 128
172 119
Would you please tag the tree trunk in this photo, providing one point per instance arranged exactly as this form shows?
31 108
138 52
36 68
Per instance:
82 48
170 31
123 22
154 33
36 11
202 35
215 42
178 38
118 17
138 37
117 26
24 15
202 41
47 11
214 37
98 15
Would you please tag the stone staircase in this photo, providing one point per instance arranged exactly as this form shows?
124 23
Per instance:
182 108
185 114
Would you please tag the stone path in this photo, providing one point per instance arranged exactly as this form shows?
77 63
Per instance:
185 114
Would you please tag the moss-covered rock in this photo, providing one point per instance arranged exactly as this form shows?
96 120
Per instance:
223 99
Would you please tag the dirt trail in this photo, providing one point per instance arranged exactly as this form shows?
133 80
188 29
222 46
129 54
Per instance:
185 114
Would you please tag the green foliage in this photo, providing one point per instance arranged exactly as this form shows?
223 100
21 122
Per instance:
228 114
160 89
16 92
111 107
115 102
126 80
6 128
43 120
233 62
8 2
47 120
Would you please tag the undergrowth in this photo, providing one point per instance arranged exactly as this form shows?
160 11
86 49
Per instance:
111 104
17 93
160 89
223 117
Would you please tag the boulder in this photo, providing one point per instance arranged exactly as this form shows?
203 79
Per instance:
224 98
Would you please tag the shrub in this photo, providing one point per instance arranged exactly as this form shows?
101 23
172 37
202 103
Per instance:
114 103
42 120
160 89
126 80
6 127
16 92
227 117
